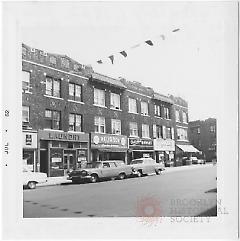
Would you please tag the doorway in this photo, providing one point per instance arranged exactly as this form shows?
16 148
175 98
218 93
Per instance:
69 161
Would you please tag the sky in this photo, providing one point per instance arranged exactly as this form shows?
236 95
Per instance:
188 63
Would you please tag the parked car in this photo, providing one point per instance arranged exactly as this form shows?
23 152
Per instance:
195 160
147 166
102 170
30 179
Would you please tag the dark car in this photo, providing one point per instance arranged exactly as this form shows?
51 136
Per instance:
146 166
102 170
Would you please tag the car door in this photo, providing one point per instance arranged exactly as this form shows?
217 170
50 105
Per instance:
106 170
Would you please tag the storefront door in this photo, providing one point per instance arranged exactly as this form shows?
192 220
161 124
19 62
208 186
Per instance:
69 161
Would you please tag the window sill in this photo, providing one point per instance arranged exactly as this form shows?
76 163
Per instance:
116 134
183 140
27 92
100 132
146 138
134 136
76 132
115 109
46 129
78 102
102 106
53 97
145 115
132 113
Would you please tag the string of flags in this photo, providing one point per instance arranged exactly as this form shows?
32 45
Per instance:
124 52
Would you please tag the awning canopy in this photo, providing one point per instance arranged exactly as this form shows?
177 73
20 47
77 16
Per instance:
112 149
188 148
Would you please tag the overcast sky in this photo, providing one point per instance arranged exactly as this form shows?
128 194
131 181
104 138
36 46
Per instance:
188 63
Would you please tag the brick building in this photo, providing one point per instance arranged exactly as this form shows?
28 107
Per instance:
73 116
202 135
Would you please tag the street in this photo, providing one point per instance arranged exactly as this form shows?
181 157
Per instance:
183 193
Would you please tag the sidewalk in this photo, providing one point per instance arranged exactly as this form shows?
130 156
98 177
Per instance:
52 181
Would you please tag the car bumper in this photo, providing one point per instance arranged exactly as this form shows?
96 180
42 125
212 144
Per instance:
78 178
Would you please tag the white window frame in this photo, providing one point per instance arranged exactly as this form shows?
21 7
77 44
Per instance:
99 97
115 101
145 131
132 105
144 108
25 109
133 129
26 75
99 121
116 126
182 133
184 116
177 116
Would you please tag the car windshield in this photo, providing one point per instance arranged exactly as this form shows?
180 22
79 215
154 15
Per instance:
94 165
137 161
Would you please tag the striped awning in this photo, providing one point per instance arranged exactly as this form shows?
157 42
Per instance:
188 148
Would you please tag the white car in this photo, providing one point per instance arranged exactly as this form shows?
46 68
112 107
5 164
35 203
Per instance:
30 179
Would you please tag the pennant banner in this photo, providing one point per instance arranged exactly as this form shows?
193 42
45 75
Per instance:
99 61
111 58
149 42
124 53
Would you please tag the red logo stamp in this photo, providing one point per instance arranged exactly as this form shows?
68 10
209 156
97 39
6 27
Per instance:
148 209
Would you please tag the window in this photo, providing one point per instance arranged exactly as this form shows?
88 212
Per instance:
168 132
25 81
53 60
177 116
75 122
99 97
166 112
184 117
52 119
157 110
53 87
116 126
144 108
24 51
145 131
115 101
99 124
213 128
133 129
75 92
198 130
182 134
157 131
65 63
25 114
132 104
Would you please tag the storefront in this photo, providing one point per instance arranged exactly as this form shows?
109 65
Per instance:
184 153
61 152
139 147
108 147
164 151
29 140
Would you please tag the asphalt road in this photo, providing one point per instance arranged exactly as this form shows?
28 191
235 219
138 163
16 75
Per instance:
183 193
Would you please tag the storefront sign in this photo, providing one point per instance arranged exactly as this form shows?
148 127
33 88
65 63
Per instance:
164 145
140 144
107 140
62 136
29 140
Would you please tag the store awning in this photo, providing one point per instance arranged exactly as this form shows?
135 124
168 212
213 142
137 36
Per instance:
112 149
188 148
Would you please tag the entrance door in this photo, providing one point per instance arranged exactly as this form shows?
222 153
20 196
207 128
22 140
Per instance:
69 162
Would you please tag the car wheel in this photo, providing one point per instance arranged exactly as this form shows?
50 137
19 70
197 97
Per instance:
140 173
31 185
158 171
121 176
94 178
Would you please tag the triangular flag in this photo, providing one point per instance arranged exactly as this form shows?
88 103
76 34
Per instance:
112 58
99 61
123 53
149 42
175 30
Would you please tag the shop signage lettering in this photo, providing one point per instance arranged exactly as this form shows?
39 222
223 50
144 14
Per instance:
106 140
140 142
164 145
64 136
28 139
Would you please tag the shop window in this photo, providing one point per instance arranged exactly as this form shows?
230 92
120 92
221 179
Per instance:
166 112
75 92
145 131
26 81
55 144
157 110
99 97
115 101
75 122
28 159
53 87
25 114
52 119
70 145
99 124
132 104
116 127
133 129
177 116
65 63
53 60
144 108
184 115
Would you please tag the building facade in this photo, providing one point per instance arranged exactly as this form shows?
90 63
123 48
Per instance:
73 116
203 136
